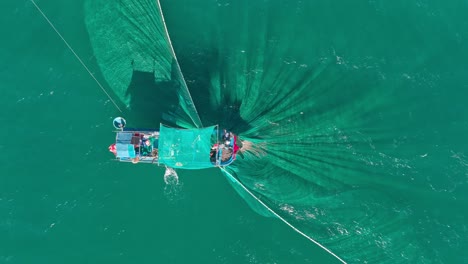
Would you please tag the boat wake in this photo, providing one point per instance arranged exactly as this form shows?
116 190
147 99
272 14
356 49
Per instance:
170 176
173 188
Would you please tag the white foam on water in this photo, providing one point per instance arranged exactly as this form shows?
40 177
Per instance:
173 188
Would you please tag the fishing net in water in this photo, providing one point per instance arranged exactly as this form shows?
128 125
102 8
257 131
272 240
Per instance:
334 123
338 118
134 54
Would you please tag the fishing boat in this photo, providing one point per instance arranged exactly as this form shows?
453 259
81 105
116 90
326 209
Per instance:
196 148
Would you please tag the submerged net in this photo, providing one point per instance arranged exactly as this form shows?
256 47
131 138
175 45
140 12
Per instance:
349 155
133 51
350 149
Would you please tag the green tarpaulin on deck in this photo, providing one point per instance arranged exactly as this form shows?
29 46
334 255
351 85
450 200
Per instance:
186 148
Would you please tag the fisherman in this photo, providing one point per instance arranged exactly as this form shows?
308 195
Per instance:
226 135
147 145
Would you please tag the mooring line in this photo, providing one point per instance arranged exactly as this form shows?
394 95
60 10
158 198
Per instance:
76 55
281 218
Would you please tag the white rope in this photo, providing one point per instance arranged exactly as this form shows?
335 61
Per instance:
76 55
281 218
178 67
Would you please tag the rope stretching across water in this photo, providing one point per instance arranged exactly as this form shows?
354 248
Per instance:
197 122
76 55
279 217
231 176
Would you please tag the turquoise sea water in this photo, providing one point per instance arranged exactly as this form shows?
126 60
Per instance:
359 107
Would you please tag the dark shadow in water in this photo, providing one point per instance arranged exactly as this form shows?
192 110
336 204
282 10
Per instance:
198 69
151 101
156 101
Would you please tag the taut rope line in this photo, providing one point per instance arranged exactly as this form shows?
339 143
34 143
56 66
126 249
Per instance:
198 122
76 55
232 178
